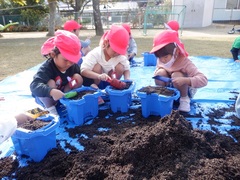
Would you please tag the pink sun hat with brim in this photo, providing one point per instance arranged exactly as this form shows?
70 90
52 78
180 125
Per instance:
118 38
71 25
127 27
172 25
47 46
68 44
166 37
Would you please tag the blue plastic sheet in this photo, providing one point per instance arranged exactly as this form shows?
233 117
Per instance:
222 89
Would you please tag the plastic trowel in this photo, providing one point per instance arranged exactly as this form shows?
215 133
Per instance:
117 83
162 78
70 94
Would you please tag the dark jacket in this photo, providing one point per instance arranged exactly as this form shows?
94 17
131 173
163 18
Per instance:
47 71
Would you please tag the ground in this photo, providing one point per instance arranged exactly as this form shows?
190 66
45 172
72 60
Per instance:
139 148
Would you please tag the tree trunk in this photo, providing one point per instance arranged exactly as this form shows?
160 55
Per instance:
78 6
97 18
52 12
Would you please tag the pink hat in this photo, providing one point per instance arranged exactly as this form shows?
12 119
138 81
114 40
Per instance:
71 25
47 46
172 25
68 44
127 27
118 38
166 37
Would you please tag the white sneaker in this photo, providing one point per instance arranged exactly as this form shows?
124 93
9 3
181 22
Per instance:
192 91
184 104
52 110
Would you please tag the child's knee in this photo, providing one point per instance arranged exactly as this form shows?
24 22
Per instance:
78 78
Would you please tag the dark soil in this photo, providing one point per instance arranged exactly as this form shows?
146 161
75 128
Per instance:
80 94
139 148
158 90
33 124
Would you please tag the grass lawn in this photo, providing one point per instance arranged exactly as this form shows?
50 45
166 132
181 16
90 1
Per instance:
20 54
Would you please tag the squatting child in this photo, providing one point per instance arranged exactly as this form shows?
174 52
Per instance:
59 73
173 62
108 58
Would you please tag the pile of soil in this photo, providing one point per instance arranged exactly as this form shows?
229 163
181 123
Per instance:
140 148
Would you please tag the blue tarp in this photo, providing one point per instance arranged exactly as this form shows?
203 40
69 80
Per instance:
221 91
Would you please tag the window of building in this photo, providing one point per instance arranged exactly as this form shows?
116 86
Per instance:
233 4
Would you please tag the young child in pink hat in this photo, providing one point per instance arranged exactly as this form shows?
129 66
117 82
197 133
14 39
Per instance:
74 27
174 63
132 45
110 56
172 25
59 73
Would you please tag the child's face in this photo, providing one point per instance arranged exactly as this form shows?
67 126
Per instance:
76 32
62 63
165 59
111 53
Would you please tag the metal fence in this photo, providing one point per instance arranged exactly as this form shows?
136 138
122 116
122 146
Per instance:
142 18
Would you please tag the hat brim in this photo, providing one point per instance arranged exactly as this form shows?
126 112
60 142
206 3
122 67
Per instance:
47 46
117 49
156 48
69 57
167 26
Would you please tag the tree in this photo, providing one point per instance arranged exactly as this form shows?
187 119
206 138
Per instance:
52 12
97 18
79 5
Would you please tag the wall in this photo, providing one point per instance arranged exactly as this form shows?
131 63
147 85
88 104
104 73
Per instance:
220 12
198 12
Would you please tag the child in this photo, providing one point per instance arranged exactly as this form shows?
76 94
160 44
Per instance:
172 25
132 45
60 73
235 49
74 27
108 58
173 63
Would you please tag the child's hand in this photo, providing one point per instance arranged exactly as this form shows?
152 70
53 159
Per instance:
22 118
56 94
179 81
131 55
104 77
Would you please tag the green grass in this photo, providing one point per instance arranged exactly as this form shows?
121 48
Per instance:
18 55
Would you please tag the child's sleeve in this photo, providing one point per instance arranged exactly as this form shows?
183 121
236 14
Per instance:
198 79
8 126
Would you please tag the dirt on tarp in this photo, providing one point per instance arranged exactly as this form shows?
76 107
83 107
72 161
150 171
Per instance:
33 124
140 148
158 90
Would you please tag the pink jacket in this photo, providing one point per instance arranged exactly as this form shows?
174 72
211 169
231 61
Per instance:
187 67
